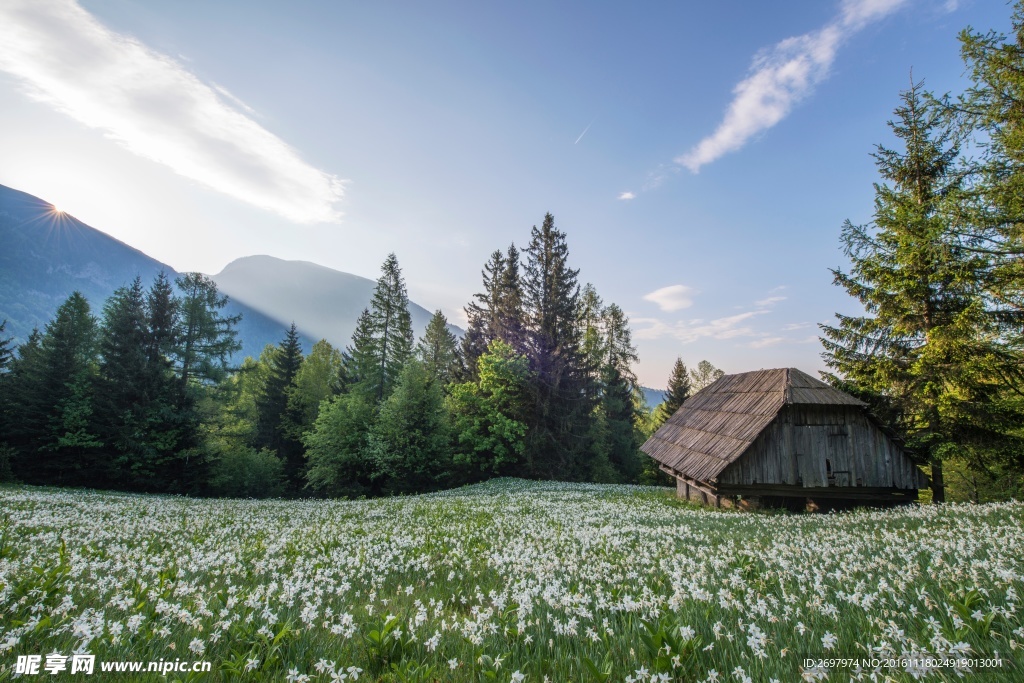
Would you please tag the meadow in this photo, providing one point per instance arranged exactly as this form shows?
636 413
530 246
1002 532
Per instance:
508 581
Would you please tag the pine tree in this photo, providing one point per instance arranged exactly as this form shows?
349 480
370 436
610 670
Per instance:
315 382
678 390
497 312
557 442
994 220
6 352
392 325
438 350
205 338
481 314
273 412
928 343
619 390
121 393
51 387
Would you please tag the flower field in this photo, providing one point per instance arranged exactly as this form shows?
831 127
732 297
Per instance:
508 581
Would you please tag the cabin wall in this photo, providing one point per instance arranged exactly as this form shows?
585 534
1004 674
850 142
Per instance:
823 446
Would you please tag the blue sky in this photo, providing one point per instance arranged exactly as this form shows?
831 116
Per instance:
701 157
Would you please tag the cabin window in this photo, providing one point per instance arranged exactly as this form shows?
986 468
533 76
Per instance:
828 468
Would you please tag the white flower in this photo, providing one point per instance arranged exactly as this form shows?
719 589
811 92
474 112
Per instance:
197 646
828 641
518 677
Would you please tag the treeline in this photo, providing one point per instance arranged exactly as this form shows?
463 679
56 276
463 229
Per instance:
939 352
119 401
540 386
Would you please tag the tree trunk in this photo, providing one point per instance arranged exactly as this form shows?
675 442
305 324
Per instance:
938 483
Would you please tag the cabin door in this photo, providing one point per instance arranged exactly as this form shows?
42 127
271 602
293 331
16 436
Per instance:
823 455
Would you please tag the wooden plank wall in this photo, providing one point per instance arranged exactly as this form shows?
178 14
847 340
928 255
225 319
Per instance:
805 443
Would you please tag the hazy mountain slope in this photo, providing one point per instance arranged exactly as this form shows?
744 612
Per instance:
46 255
324 303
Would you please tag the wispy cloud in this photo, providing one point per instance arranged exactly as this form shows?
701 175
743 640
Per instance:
150 104
764 342
627 196
688 331
769 301
671 298
782 76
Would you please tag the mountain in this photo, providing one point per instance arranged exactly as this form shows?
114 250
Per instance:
653 397
323 302
46 254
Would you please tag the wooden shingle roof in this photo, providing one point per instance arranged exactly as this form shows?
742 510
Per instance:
717 424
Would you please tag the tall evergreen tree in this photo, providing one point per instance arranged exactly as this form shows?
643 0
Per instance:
205 338
994 224
122 387
497 311
52 386
438 350
317 380
6 351
391 326
928 343
274 415
678 390
558 440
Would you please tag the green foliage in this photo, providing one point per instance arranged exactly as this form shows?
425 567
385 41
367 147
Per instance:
562 391
678 390
336 447
438 350
243 472
929 342
277 419
390 327
205 338
489 416
50 393
704 375
316 380
410 440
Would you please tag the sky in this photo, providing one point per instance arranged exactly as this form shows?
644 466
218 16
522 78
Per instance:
700 157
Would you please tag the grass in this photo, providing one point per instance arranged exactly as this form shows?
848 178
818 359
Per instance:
505 581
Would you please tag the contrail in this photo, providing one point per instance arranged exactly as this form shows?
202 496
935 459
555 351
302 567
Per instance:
584 132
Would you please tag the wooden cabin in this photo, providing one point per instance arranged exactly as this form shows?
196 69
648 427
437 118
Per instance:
781 437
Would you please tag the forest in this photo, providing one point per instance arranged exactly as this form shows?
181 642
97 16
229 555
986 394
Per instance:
143 397
541 386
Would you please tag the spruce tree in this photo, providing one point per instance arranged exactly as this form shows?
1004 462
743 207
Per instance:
6 351
928 344
274 415
678 390
438 350
122 388
391 326
481 314
205 338
59 445
557 444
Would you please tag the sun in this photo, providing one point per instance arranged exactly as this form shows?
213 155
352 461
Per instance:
54 209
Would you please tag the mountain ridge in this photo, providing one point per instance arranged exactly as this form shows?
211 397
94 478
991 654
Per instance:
46 254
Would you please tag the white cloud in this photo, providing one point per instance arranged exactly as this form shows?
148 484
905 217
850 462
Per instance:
627 195
151 105
728 327
671 298
782 76
769 301
790 327
765 341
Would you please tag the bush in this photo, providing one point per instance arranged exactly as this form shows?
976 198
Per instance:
244 472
